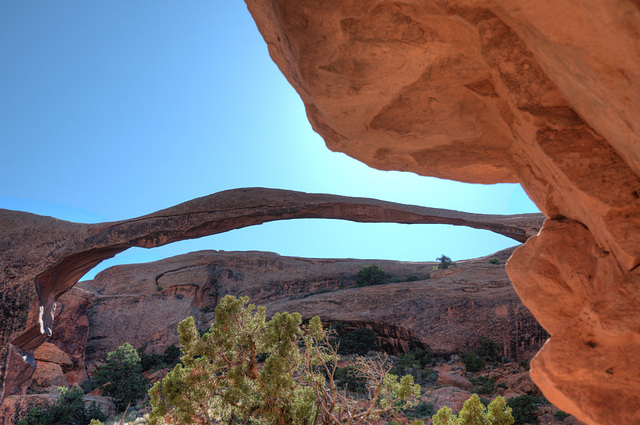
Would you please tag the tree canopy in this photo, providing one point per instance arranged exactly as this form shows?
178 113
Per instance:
247 370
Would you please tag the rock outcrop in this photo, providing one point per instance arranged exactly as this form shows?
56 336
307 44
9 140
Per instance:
542 93
16 407
448 311
42 257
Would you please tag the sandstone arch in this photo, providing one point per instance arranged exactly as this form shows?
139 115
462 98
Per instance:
43 257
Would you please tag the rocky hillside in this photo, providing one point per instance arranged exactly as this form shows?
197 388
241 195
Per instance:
448 310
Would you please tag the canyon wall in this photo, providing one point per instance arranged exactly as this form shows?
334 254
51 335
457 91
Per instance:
448 310
543 93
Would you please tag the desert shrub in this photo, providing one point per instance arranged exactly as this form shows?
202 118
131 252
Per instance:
414 363
488 350
88 386
524 408
121 376
494 260
421 411
359 341
171 355
561 415
445 262
69 409
483 385
472 362
349 379
414 278
221 380
474 412
370 275
169 358
148 361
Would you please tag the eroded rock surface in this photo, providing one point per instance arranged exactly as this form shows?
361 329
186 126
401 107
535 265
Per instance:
543 93
42 257
448 312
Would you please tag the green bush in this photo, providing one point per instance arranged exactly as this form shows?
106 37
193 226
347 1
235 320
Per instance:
171 355
69 409
472 362
349 379
121 377
88 386
524 408
489 350
221 380
370 275
168 359
474 412
483 385
414 363
561 415
360 342
414 278
421 411
494 260
445 262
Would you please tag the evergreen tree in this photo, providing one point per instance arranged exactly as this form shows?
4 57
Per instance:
121 376
474 413
249 370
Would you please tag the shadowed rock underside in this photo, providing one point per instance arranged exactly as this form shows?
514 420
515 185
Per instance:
543 93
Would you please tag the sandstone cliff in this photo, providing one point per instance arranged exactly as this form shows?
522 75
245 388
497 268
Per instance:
143 303
447 310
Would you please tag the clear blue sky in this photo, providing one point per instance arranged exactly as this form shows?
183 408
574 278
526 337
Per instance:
112 110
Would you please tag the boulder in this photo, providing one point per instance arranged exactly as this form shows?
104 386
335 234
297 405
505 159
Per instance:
450 397
521 382
48 377
48 352
450 379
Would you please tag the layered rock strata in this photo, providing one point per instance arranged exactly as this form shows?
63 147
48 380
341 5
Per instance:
447 310
43 257
542 93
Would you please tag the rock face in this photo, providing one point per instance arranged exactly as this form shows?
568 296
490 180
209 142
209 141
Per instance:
15 408
448 312
41 258
543 93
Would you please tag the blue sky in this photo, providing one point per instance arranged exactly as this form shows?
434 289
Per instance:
112 110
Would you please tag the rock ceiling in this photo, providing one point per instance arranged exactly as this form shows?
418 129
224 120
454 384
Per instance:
543 93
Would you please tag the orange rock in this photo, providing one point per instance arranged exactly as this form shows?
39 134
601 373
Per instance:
448 315
450 379
450 397
48 352
521 382
543 93
48 376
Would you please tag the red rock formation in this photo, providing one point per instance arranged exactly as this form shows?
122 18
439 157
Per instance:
42 257
15 408
448 312
544 93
